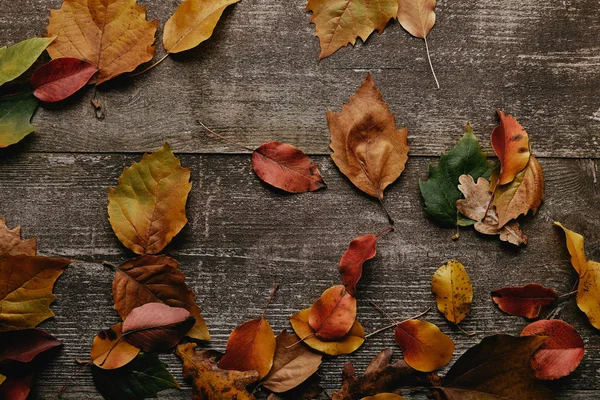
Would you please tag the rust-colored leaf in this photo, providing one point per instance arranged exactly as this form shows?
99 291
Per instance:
332 316
361 249
286 167
16 388
453 291
60 78
110 351
511 144
524 301
23 346
11 243
424 346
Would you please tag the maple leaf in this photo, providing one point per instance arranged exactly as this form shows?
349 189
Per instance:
113 35
210 382
453 291
15 114
511 144
151 279
477 198
17 59
192 23
440 191
561 352
26 294
424 347
361 249
110 351
293 363
12 244
147 208
524 301
60 78
332 316
340 22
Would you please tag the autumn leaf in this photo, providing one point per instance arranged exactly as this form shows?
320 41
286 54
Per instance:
307 390
210 382
155 279
332 316
496 368
24 345
475 204
16 388
453 291
361 249
367 147
60 78
561 352
524 301
424 347
338 23
293 364
286 167
26 292
110 351
114 35
345 345
17 59
147 208
156 326
511 144
11 243
384 396
576 248
15 114
192 23
142 378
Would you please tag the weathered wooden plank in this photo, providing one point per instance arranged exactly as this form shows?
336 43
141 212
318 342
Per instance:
243 237
258 79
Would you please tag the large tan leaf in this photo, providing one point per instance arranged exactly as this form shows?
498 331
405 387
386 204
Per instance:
417 16
12 244
147 208
112 35
26 290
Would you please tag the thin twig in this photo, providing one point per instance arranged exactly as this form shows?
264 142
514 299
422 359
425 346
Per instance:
300 341
386 230
73 375
567 294
397 323
270 300
430 64
150 67
224 138
465 332
383 312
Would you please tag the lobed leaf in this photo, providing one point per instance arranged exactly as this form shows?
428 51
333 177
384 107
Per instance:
11 243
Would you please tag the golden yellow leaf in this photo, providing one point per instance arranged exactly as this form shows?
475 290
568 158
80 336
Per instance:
12 244
110 351
26 290
424 346
453 291
147 208
112 35
576 247
192 23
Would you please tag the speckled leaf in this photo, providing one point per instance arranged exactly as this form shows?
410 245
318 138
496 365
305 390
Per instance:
453 291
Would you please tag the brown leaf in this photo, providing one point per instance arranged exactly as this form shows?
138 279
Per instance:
524 301
511 144
361 249
367 146
155 279
332 316
110 351
210 382
307 390
12 244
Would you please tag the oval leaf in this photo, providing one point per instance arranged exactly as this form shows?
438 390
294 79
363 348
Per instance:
15 114
424 346
524 301
511 144
417 16
453 291
23 346
17 59
60 78
332 316
361 249
576 247
110 351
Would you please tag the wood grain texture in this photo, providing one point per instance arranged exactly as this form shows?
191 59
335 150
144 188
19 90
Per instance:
258 79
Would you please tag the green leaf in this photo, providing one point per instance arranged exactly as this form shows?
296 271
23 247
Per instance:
15 114
17 59
142 378
440 190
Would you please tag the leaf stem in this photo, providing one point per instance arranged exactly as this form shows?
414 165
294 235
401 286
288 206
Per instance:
465 332
430 64
395 323
150 67
73 375
224 138
386 230
270 300
383 312
491 200
389 217
300 341
567 294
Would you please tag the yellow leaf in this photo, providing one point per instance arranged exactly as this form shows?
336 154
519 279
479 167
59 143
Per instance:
192 23
424 346
453 291
147 208
576 247
346 345
112 35
110 351
26 290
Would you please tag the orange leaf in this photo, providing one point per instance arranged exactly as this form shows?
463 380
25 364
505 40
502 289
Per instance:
361 249
110 351
424 346
12 244
332 316
112 35
524 301
511 144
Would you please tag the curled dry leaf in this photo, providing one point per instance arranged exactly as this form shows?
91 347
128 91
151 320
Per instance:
209 382
561 352
345 345
147 208
156 326
16 59
60 78
113 35
11 243
333 315
361 249
340 23
453 291
15 114
110 351
293 364
367 147
424 347
23 346
524 301
192 23
155 279
286 167
511 144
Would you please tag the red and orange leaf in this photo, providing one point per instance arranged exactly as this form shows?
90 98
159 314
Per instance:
361 249
12 244
524 301
286 167
511 144
60 78
424 347
110 351
332 316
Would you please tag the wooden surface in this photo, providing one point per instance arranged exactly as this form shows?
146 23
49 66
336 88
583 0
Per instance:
258 79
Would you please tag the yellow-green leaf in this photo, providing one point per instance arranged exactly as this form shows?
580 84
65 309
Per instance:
15 114
17 59
453 291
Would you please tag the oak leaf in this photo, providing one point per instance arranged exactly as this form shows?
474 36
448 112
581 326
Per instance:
561 352
511 144
453 291
23 346
424 347
524 301
11 243
60 78
333 315
15 115
16 59
110 351
26 292
192 23
210 382
286 167
338 23
152 279
147 208
361 249
345 345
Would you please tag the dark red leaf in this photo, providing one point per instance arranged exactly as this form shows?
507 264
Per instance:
361 249
23 346
524 301
16 388
60 78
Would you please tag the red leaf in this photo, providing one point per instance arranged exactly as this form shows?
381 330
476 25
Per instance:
286 167
332 316
23 346
156 326
16 388
361 249
524 301
561 352
60 78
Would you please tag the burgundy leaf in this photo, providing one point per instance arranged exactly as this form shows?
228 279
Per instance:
60 78
16 388
23 346
524 301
